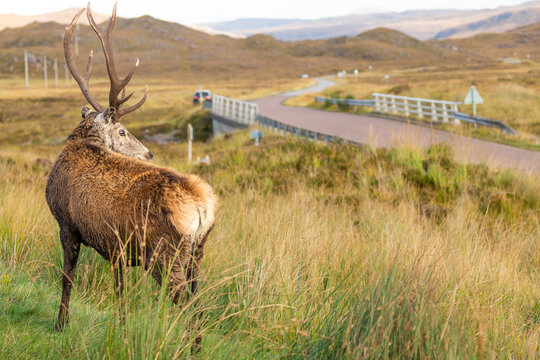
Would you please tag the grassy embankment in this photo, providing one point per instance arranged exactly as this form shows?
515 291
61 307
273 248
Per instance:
318 252
511 93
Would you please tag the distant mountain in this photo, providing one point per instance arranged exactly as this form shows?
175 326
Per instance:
244 26
495 24
515 44
421 24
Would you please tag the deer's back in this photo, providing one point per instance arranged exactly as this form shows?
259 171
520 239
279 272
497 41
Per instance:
106 197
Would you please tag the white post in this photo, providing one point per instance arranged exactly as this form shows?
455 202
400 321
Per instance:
406 105
190 139
445 113
455 110
45 71
56 72
394 109
26 83
420 109
377 103
433 112
385 103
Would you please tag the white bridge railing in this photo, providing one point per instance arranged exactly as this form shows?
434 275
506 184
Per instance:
436 110
242 112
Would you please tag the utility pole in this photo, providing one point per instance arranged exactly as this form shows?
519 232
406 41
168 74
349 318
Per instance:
45 71
26 69
56 72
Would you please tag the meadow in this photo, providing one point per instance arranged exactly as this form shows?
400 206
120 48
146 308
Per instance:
319 250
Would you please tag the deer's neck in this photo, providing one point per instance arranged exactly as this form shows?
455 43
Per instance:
87 132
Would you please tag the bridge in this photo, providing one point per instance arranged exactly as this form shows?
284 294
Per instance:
230 114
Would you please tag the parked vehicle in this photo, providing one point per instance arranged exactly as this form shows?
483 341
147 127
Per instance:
201 96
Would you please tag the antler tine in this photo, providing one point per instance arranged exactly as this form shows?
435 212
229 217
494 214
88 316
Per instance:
117 84
82 81
134 107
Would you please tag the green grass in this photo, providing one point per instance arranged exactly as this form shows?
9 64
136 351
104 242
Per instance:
319 251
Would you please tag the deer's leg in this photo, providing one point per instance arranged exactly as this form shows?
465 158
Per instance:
71 244
195 262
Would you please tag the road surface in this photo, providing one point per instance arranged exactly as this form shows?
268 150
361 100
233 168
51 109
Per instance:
379 132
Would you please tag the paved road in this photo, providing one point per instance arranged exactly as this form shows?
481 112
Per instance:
386 133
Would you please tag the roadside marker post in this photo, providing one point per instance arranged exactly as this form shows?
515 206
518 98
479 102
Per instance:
356 74
256 134
473 97
190 139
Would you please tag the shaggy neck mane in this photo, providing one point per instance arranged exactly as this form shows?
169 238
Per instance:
86 131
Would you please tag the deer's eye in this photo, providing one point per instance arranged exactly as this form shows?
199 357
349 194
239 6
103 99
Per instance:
122 133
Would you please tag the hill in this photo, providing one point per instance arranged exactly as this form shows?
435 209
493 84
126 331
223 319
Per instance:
166 48
516 44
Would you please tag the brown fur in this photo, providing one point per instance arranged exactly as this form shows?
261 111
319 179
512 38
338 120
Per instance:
120 205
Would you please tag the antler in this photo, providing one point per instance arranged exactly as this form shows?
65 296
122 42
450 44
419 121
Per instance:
82 81
117 85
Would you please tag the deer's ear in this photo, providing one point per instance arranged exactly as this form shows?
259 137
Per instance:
109 115
85 111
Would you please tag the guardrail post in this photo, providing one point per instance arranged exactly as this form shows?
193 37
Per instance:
406 105
420 109
445 113
455 110
394 109
433 112
377 103
385 103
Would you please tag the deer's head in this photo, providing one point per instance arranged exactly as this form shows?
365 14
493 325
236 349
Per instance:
104 124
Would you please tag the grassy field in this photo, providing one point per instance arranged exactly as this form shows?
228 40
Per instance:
511 93
319 251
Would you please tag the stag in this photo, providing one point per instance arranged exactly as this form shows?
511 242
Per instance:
105 194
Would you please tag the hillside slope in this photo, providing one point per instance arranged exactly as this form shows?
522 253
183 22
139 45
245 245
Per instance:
168 48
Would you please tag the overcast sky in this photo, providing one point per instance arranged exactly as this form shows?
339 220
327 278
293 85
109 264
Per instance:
204 11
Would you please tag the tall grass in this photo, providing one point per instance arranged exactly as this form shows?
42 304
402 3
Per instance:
318 252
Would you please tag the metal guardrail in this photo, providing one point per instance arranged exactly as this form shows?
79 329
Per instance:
290 130
436 110
349 102
242 112
477 120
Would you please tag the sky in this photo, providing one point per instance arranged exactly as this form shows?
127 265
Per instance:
206 11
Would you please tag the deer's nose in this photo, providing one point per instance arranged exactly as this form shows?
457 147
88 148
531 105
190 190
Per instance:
149 155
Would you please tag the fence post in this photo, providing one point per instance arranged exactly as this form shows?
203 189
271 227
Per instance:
394 109
433 112
385 103
420 109
26 83
56 71
45 71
